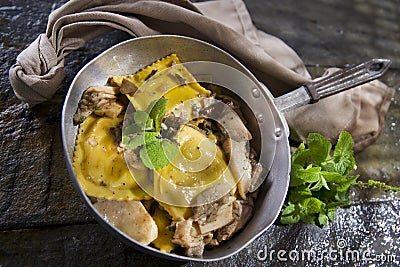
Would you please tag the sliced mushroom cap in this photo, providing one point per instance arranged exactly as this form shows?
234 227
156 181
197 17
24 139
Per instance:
131 217
223 217
242 212
111 90
186 234
128 87
239 164
101 100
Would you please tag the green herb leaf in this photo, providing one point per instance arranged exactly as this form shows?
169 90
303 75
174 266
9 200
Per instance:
158 153
295 177
290 219
333 177
139 139
328 166
289 209
300 157
346 185
290 214
298 194
156 111
155 152
131 130
319 182
322 219
140 117
313 205
331 214
307 218
343 154
310 175
319 148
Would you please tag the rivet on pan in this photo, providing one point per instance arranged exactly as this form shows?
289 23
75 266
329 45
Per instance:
260 118
278 132
255 93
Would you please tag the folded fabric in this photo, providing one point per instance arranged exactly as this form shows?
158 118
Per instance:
39 71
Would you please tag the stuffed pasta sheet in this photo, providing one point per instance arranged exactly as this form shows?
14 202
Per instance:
166 159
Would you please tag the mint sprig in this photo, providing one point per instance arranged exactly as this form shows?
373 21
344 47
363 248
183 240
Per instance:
319 181
144 134
158 153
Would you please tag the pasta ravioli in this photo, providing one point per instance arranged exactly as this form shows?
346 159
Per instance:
99 165
99 160
176 84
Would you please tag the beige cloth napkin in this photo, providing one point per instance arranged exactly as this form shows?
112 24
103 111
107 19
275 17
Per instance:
39 71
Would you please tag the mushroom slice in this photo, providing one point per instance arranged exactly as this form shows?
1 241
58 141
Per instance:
101 100
128 87
222 218
131 217
239 164
242 212
186 234
110 90
110 109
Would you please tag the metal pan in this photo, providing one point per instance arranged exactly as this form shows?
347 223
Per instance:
266 122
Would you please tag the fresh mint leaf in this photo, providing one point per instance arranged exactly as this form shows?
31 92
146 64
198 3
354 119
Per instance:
313 205
341 197
155 152
158 153
140 117
345 165
289 209
156 111
295 179
297 194
333 177
310 175
331 214
139 139
328 166
322 219
301 156
343 186
131 129
290 219
343 154
290 214
319 181
143 120
319 148
344 145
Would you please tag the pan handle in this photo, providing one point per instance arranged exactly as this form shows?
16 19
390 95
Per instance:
333 84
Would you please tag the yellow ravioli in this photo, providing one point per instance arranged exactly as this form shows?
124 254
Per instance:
170 79
163 241
99 166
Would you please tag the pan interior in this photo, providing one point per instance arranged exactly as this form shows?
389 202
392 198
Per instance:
132 55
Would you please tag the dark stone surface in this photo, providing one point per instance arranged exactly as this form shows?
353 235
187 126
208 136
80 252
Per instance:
333 32
74 245
43 222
